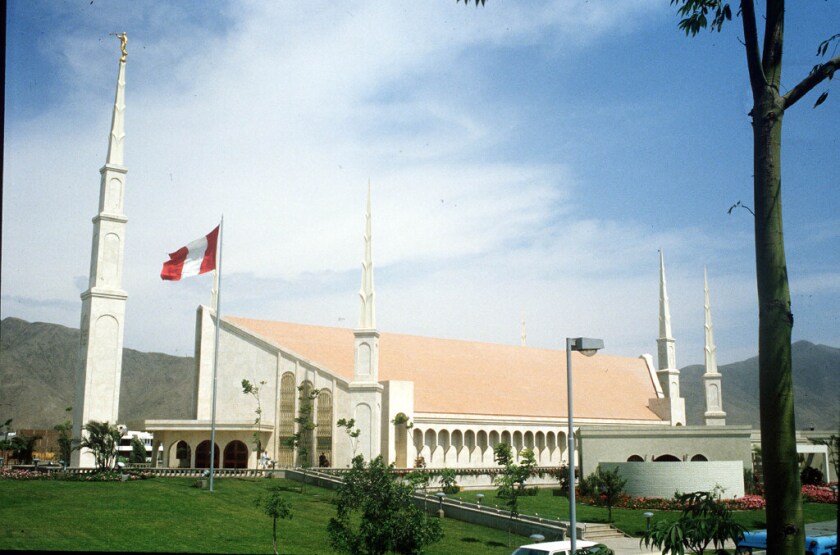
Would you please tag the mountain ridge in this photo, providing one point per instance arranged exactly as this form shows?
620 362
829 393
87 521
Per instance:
38 367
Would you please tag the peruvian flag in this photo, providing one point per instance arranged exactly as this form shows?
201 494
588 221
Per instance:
196 258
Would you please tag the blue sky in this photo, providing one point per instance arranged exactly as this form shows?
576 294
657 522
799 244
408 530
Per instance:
526 161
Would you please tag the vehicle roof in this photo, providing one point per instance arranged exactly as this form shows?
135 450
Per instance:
552 546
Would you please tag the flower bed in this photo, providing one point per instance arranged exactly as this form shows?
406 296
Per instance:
111 476
810 494
818 494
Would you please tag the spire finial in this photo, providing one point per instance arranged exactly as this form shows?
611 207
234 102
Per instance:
117 137
523 335
367 312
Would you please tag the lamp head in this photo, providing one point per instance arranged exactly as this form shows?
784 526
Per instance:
587 346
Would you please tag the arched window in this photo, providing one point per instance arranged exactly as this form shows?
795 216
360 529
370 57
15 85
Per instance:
324 431
699 458
202 455
286 425
236 455
666 458
183 454
635 458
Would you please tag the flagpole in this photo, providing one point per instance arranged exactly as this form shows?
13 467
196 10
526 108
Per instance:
216 351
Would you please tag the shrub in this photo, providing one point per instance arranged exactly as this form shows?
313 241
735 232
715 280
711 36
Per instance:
811 476
818 494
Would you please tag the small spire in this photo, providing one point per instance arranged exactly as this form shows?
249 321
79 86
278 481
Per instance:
523 335
367 312
664 308
117 137
710 349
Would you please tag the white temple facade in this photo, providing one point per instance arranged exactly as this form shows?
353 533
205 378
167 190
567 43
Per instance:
415 400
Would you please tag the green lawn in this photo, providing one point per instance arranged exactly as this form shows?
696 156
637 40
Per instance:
628 521
168 515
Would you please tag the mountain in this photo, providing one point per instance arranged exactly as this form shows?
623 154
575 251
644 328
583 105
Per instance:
38 364
816 389
38 372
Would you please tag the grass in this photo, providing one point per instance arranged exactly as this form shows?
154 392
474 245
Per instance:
628 521
168 515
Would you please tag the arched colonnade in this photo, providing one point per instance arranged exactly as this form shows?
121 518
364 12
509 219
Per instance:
459 446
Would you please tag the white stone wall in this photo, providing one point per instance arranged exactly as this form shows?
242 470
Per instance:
663 479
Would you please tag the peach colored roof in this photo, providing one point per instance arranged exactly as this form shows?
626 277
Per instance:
466 377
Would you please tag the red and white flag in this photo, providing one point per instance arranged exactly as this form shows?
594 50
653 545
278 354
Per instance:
196 258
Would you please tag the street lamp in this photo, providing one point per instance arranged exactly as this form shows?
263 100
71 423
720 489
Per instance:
587 347
479 496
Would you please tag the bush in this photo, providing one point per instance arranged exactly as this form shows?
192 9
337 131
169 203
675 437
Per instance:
811 476
818 494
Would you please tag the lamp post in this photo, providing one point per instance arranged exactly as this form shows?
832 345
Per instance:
479 496
648 516
587 347
440 496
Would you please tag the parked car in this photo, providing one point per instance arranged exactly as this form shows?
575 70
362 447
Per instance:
552 548
814 545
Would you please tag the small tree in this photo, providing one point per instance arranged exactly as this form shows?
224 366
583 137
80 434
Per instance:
448 478
302 439
606 488
138 451
102 439
274 505
375 514
254 391
22 448
704 520
511 482
353 433
65 438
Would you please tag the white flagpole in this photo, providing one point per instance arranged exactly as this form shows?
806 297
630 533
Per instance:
216 351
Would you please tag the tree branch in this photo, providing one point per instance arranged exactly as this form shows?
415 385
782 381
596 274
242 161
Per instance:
757 77
816 77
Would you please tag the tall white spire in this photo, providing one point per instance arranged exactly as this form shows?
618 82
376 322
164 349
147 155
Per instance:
99 371
671 407
523 335
665 342
365 389
367 308
715 416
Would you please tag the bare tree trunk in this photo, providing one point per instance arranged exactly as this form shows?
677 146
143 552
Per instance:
785 527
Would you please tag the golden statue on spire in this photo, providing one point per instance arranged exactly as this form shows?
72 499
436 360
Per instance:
123 41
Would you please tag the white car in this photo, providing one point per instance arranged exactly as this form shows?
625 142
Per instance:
551 548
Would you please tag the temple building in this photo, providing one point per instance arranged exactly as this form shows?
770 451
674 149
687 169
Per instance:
414 400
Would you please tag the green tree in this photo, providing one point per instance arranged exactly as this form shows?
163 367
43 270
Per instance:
448 478
703 521
775 319
275 506
138 451
511 482
254 391
375 514
353 433
301 441
22 448
65 438
606 487
102 439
